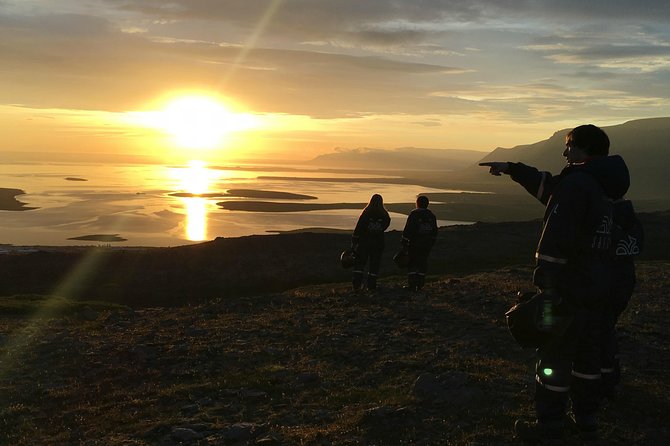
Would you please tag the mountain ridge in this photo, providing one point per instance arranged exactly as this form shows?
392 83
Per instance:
402 158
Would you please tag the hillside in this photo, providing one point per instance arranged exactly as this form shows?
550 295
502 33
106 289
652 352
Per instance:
314 365
228 267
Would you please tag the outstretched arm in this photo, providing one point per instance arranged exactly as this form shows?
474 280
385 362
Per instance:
496 167
538 184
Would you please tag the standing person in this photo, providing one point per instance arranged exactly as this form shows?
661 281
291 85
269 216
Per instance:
368 242
419 237
573 262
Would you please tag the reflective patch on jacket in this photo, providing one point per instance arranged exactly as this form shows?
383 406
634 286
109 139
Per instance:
376 225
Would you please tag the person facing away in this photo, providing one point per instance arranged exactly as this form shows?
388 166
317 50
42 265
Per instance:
418 238
368 242
572 261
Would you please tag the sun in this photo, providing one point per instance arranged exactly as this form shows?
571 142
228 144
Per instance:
198 122
188 124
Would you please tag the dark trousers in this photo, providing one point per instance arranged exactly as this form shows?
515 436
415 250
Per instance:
569 368
367 252
623 284
418 264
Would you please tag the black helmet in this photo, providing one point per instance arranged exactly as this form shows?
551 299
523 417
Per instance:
401 258
348 258
530 322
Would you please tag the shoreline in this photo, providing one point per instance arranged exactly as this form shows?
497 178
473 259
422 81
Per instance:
8 201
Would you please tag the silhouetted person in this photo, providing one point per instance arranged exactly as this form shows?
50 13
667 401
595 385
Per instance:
419 237
368 242
573 261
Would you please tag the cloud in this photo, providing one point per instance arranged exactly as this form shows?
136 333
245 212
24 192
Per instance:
109 70
507 60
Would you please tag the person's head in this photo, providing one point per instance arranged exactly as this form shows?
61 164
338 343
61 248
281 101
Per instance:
585 142
376 201
422 201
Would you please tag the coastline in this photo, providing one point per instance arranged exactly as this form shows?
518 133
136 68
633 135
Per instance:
8 201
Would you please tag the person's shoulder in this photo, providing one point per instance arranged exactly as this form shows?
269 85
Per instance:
578 181
577 176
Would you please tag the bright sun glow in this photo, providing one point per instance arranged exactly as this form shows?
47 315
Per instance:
196 178
196 121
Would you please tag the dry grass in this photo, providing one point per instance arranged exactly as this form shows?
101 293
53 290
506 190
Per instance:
312 366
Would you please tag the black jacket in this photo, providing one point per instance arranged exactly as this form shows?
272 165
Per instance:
577 221
420 228
371 226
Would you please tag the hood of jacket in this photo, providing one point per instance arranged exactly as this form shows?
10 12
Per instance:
611 172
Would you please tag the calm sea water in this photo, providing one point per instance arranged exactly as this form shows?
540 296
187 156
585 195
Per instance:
134 202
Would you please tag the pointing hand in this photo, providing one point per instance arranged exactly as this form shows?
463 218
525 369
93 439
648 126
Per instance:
496 167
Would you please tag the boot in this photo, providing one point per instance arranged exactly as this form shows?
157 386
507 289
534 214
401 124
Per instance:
420 281
412 282
357 281
372 282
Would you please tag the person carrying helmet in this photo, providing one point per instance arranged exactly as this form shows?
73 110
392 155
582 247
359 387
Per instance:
368 242
418 238
573 263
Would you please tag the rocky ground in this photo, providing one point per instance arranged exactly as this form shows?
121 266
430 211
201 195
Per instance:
314 365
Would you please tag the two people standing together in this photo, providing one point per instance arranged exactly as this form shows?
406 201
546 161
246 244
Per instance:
367 242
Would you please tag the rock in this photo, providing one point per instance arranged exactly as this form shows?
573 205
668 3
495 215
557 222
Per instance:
239 431
269 440
183 434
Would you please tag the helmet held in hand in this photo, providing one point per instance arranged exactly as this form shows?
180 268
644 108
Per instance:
348 258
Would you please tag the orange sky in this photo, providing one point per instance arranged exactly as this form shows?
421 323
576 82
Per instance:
301 78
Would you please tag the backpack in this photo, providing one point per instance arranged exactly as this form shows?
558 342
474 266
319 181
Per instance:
627 230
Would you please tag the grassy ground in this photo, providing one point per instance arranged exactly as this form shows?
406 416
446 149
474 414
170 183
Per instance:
311 366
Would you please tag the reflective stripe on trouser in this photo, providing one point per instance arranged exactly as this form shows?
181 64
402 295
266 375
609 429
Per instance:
585 390
372 281
552 384
416 280
586 376
357 279
412 280
420 280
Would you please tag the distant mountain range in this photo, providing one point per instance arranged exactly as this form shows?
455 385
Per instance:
403 158
643 143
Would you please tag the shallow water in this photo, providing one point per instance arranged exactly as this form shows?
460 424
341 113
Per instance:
135 203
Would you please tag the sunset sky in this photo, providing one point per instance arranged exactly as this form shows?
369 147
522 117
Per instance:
298 78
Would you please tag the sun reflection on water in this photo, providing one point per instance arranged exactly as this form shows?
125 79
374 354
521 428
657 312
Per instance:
196 219
196 180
